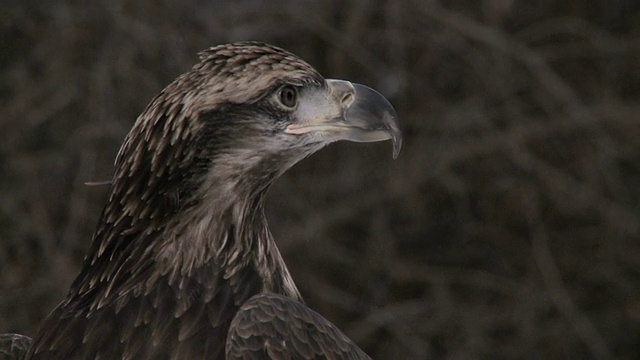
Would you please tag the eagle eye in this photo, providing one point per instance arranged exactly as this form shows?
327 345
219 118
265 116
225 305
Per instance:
288 96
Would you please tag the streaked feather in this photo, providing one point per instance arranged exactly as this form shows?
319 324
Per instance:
182 263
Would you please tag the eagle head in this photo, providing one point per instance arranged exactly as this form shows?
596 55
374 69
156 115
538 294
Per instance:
242 116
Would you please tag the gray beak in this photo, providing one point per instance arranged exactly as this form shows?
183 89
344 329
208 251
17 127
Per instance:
352 112
373 118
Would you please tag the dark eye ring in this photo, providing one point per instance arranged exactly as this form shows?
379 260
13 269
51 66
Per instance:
288 96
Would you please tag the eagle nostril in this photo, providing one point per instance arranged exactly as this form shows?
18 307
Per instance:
347 98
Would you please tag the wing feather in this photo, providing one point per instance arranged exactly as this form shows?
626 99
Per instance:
14 346
275 326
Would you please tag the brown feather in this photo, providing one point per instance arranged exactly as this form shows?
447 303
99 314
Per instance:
183 242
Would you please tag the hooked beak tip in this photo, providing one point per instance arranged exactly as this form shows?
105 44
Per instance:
374 107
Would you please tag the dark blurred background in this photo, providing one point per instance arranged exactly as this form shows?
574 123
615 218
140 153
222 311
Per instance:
509 227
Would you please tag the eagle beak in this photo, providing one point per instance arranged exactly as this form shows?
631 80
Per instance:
364 115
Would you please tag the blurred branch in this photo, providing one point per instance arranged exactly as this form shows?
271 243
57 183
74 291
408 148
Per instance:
555 287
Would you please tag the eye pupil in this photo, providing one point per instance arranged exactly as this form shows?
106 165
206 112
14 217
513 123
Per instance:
288 96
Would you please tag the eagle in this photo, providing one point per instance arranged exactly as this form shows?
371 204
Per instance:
182 264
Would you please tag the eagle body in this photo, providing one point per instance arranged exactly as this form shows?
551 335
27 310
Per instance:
182 264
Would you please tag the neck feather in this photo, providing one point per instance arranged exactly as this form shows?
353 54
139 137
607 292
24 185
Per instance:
221 227
225 239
